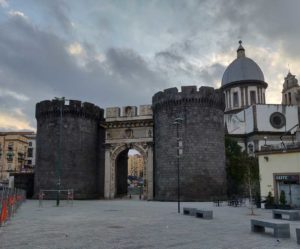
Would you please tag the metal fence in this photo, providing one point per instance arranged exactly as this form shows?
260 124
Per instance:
10 200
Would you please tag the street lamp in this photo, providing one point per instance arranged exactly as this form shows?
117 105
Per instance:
177 122
265 138
58 164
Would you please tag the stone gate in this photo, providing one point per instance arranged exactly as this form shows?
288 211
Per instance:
131 129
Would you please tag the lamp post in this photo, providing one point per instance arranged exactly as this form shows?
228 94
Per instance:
58 164
177 122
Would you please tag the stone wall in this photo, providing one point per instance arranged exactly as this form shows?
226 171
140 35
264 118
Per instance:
202 165
82 148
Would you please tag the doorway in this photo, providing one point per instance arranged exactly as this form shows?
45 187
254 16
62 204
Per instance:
129 174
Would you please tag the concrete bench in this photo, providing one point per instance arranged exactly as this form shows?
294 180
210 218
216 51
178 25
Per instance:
292 214
281 229
189 211
205 214
298 235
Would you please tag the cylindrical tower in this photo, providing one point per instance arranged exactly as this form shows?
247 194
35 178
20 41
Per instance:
70 152
202 164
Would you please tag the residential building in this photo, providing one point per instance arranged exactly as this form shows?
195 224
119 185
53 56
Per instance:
135 165
13 153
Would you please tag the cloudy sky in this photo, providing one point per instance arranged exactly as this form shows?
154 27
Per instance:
117 53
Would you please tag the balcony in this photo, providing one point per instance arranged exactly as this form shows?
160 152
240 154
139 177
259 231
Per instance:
281 147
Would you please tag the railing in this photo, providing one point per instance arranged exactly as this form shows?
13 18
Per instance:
10 200
281 146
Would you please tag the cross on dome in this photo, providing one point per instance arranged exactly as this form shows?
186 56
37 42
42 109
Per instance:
240 51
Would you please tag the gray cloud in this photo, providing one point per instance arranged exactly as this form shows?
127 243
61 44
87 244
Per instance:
146 46
269 23
38 64
59 9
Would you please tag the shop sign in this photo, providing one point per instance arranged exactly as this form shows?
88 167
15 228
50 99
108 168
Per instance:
287 178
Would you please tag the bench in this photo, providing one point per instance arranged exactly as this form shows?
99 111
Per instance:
292 214
205 214
281 229
199 213
189 211
298 235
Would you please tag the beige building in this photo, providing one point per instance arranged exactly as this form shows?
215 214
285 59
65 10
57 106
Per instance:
280 170
135 165
13 153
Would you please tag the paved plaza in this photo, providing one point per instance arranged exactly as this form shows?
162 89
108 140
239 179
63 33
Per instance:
135 224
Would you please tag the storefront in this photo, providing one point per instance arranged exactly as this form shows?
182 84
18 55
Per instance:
280 171
289 183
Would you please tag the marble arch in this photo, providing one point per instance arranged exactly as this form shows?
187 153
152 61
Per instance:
128 131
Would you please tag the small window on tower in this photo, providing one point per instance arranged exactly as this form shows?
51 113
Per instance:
235 99
252 97
290 98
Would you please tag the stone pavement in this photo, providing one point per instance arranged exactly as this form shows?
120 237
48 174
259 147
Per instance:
135 224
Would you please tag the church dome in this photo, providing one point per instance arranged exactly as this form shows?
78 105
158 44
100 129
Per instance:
242 69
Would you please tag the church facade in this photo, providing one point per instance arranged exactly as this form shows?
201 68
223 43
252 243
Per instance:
248 117
268 131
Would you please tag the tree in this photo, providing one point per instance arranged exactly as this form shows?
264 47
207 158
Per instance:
234 171
251 176
242 170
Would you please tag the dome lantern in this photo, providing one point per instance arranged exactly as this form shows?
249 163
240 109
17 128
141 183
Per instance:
240 51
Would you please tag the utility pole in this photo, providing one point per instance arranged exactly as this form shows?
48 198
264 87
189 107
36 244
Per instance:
58 165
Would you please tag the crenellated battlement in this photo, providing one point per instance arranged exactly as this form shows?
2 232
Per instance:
73 107
128 111
205 96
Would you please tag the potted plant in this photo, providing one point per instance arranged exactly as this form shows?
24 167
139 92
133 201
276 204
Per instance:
269 201
282 201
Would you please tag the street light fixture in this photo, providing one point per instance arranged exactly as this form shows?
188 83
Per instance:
177 122
265 138
58 164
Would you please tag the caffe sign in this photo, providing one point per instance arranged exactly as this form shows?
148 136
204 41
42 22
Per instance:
287 178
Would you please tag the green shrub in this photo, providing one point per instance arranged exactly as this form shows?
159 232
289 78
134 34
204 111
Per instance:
282 198
270 199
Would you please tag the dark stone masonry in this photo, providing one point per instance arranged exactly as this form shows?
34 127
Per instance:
82 153
81 163
202 165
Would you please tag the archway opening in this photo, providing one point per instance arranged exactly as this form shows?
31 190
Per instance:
129 174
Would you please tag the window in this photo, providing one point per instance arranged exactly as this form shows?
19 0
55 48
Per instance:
30 152
9 158
290 98
235 99
10 146
30 143
285 98
277 120
252 97
29 162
